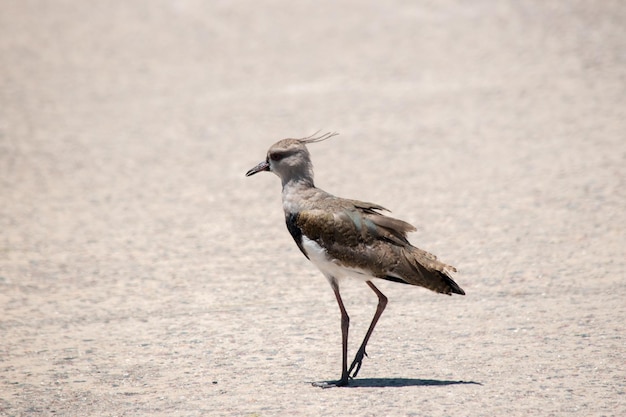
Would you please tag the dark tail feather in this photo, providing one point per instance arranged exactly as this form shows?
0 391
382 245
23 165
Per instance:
446 284
453 287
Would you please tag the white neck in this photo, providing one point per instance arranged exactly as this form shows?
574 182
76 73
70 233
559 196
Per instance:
292 194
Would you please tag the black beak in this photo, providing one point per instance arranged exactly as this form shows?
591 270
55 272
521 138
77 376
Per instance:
263 166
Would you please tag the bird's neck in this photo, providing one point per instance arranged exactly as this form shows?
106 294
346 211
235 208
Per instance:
298 181
295 192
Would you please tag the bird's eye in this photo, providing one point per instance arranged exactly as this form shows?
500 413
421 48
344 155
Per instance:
277 156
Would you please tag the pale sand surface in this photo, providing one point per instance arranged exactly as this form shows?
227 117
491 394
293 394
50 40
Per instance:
142 274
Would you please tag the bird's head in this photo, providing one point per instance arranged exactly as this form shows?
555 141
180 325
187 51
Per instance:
290 159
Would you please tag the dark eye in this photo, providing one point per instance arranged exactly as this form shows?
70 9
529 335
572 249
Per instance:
277 156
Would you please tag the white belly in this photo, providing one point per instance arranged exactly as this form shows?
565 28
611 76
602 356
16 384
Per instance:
331 267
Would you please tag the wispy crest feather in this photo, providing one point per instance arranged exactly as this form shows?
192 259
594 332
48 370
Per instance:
313 138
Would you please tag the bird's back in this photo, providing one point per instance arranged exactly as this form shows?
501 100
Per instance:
357 236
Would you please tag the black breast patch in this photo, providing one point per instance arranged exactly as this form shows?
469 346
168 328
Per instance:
292 225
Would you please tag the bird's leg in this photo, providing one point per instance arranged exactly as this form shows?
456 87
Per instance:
345 324
358 359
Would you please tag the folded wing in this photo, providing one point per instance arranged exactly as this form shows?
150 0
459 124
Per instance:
357 235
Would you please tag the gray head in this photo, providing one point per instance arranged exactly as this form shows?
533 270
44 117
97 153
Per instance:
290 159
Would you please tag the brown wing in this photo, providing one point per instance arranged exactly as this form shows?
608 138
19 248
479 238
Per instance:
365 239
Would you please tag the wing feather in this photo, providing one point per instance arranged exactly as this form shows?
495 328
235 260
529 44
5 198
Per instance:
356 235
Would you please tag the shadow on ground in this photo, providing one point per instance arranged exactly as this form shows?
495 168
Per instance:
403 382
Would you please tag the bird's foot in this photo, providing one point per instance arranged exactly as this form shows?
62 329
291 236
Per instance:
357 362
331 384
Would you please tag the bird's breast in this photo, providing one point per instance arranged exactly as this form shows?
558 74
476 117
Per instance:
291 219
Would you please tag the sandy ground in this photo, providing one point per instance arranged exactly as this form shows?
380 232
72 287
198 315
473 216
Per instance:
142 274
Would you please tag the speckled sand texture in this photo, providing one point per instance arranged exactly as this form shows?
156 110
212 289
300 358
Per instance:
141 274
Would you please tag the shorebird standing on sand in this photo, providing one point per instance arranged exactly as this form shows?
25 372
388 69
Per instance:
349 238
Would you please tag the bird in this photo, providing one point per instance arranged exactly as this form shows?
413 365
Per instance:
347 238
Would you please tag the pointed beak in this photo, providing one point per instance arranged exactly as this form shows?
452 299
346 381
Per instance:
263 166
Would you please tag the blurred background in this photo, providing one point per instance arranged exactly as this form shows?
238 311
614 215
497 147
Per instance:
126 127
